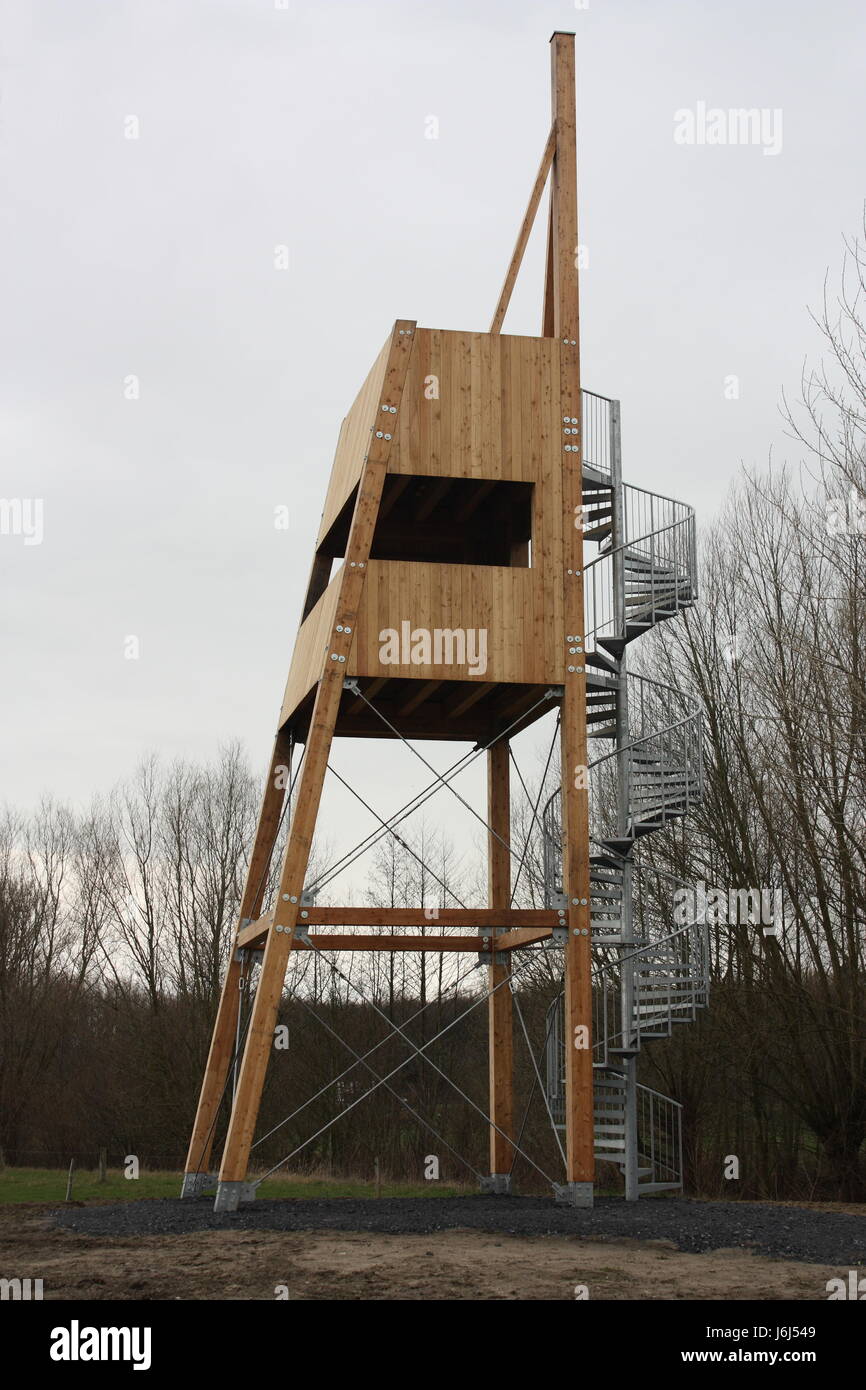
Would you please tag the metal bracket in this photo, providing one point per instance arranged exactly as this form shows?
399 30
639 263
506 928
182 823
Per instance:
350 683
229 1195
194 1184
555 692
308 897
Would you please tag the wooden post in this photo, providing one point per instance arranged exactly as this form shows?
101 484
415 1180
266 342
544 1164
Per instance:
69 1179
103 1165
224 1034
499 1011
562 269
287 911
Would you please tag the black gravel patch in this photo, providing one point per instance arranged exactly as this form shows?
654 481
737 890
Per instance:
788 1233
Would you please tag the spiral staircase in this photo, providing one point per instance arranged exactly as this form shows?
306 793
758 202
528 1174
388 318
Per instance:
651 969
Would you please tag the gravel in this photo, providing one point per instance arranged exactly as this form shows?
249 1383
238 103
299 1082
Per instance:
789 1233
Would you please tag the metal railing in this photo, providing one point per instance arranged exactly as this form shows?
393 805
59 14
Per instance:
659 1126
659 1137
670 971
596 432
605 1004
662 763
658 559
664 760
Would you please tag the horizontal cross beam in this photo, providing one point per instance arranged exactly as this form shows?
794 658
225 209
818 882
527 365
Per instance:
526 925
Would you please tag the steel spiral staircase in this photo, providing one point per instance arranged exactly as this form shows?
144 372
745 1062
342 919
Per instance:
651 969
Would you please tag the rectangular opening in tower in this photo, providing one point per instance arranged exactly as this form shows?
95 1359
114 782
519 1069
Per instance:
449 521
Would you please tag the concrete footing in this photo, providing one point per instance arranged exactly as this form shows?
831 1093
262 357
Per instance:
573 1194
496 1185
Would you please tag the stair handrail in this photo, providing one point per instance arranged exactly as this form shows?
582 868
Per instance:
695 715
648 535
677 501
632 955
669 1100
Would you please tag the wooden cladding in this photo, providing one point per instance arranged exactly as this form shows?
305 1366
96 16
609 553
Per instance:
475 406
354 441
479 405
510 606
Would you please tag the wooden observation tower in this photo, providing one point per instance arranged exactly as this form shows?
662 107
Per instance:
458 507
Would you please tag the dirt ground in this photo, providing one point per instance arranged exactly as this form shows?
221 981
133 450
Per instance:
452 1264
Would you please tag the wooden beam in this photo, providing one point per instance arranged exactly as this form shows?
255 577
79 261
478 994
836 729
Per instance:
223 1038
525 229
459 704
431 500
486 918
358 941
349 942
547 328
422 693
515 704
481 918
522 936
500 1033
483 490
579 1121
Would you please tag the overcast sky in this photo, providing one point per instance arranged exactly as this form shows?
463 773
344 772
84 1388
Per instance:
261 126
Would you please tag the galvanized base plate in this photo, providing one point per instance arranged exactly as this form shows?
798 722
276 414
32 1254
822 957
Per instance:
194 1184
230 1195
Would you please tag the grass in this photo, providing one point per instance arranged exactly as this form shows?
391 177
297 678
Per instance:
49 1185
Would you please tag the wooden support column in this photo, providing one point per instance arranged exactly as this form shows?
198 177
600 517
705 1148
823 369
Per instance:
223 1040
499 1011
562 269
322 723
